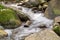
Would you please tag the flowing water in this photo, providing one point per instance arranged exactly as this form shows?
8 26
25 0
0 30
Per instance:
37 19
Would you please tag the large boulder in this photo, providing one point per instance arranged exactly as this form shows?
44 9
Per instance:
12 17
55 4
46 34
53 9
21 15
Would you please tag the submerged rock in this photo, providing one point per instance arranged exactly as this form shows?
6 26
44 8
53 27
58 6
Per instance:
9 19
46 34
3 34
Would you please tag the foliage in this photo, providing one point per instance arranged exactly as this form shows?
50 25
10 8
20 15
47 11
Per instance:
57 29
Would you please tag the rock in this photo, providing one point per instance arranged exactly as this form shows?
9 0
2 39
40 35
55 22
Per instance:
46 34
20 15
27 4
56 24
1 28
44 7
9 19
47 0
49 12
30 3
34 8
23 17
40 8
41 1
34 2
55 5
25 0
6 2
57 19
3 34
20 4
42 26
27 24
53 9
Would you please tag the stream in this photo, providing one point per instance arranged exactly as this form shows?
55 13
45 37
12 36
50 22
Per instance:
37 19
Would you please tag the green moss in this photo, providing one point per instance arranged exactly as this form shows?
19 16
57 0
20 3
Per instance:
56 11
6 15
57 29
2 7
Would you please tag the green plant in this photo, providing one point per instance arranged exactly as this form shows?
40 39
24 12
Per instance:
57 29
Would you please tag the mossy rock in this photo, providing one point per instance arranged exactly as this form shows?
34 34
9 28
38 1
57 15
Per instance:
57 29
9 19
55 4
53 9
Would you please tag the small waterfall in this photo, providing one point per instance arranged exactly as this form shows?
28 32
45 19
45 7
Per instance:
9 31
37 19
